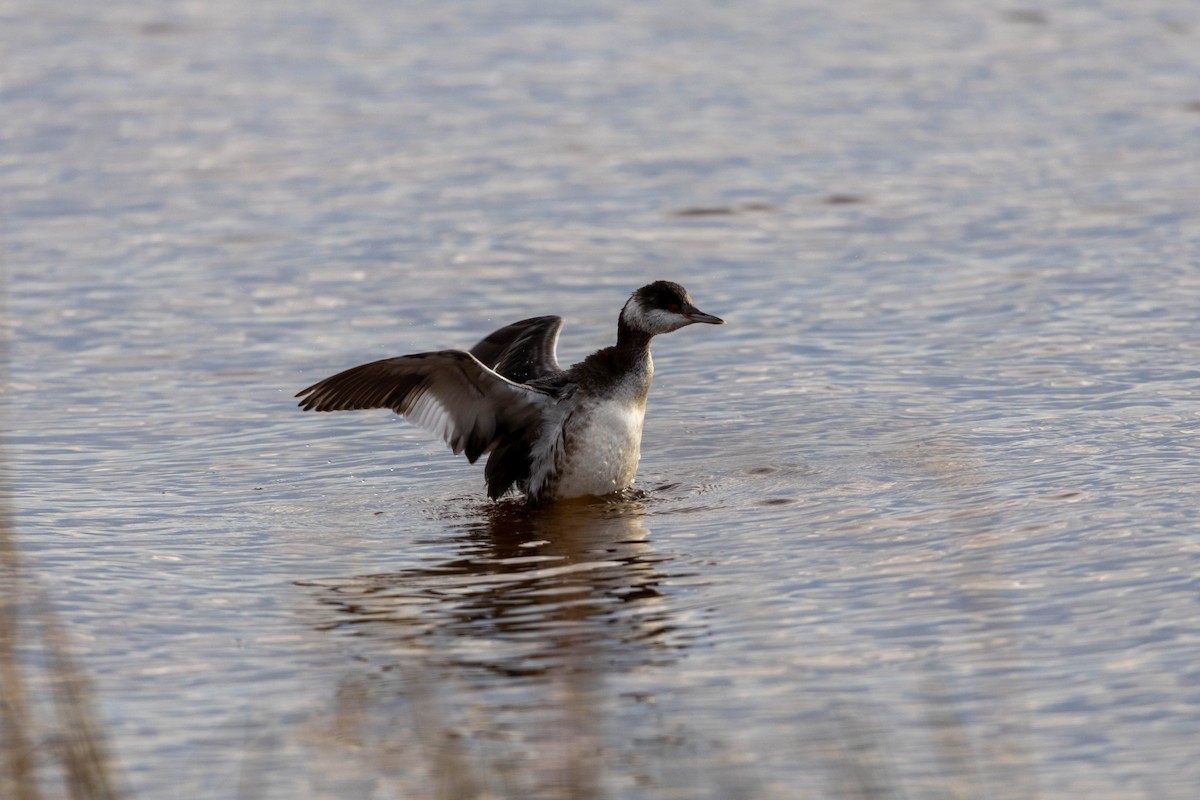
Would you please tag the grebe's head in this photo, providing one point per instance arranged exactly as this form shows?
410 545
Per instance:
662 307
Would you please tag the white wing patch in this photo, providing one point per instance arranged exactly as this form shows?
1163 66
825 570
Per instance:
448 393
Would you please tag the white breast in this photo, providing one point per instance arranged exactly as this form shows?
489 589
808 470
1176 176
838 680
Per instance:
604 445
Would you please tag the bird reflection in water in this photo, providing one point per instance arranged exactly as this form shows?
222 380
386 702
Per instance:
506 656
531 588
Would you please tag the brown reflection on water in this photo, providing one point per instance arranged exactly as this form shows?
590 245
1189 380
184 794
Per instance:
487 669
531 590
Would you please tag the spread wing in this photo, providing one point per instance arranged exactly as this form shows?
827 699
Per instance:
523 351
448 392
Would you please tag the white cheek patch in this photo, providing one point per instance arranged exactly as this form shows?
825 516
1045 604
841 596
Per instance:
632 316
655 320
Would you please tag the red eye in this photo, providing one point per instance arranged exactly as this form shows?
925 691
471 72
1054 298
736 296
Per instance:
674 308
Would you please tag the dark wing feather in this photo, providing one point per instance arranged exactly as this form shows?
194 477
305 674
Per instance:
523 351
449 393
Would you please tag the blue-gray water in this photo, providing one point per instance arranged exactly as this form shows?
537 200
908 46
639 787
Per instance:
920 520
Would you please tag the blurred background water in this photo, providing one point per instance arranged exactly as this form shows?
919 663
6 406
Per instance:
919 521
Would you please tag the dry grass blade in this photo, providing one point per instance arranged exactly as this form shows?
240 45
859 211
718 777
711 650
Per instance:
82 754
24 621
18 777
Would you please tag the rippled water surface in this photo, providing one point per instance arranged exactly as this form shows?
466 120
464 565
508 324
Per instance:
918 521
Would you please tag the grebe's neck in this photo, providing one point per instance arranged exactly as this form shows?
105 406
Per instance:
631 340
